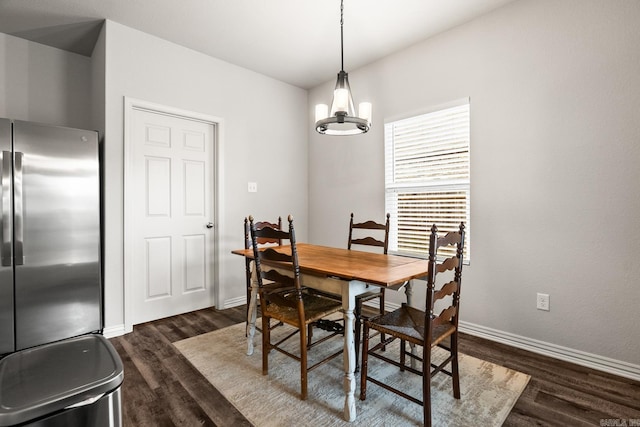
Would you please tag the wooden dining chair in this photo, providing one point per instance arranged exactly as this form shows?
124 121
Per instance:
423 328
284 299
261 242
366 238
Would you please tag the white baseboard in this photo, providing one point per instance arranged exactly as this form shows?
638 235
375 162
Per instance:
388 306
115 331
590 360
234 302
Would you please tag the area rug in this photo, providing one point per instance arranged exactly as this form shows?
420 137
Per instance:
488 391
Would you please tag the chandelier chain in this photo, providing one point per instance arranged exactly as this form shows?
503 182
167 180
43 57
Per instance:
341 35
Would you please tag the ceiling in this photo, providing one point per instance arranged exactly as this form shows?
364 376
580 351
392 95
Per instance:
295 41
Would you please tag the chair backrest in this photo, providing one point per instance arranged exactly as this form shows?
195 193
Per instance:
259 225
371 227
450 291
261 241
274 286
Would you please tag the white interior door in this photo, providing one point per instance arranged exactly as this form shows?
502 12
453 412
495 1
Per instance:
172 197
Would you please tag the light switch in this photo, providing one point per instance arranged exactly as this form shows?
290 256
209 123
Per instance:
252 187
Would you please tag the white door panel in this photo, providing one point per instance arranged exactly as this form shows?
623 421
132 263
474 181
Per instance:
194 263
158 267
172 203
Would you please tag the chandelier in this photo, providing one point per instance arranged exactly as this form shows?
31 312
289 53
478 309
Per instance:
342 119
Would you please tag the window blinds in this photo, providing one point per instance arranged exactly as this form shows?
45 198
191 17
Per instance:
427 177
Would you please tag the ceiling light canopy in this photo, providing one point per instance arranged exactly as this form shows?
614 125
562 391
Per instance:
341 119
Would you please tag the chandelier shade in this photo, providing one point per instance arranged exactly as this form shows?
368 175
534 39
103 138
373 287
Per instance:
341 119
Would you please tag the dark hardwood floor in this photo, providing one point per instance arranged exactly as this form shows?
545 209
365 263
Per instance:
161 388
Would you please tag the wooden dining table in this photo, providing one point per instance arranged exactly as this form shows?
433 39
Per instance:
346 273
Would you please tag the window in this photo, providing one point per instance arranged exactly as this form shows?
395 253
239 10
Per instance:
427 178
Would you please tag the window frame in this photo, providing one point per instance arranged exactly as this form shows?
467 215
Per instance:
435 184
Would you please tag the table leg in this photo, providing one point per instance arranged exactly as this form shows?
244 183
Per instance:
253 309
349 355
408 291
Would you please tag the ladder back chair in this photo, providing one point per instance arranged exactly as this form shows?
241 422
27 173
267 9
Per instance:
371 228
425 329
261 242
284 299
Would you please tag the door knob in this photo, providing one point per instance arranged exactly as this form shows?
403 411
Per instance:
209 225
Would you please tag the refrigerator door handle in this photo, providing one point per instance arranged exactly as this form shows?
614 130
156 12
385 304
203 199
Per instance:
17 205
5 205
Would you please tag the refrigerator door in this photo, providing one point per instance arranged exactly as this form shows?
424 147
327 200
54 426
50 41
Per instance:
72 376
56 233
6 248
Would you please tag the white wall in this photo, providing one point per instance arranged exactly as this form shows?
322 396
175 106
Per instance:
555 140
98 68
43 84
265 141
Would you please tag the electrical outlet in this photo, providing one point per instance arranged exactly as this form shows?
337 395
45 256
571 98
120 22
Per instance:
542 302
252 187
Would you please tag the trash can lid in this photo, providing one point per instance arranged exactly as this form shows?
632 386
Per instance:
48 378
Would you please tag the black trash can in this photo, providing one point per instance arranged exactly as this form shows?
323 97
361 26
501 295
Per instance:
71 383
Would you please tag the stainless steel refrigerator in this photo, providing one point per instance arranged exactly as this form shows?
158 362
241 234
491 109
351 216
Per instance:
51 301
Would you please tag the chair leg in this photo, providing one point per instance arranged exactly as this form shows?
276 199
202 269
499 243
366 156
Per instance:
426 387
358 332
365 362
309 333
382 313
455 375
266 344
303 362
